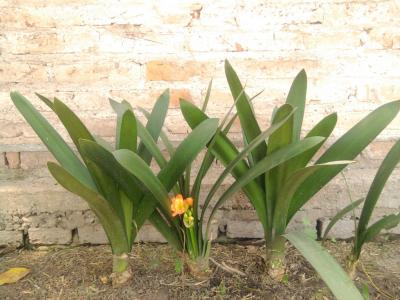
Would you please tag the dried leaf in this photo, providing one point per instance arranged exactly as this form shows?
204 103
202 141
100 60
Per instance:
13 275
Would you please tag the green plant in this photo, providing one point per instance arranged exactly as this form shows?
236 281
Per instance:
279 192
117 198
363 232
186 219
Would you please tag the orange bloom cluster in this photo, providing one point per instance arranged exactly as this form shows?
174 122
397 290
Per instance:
179 205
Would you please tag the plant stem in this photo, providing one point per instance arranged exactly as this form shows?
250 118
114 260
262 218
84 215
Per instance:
121 272
193 242
351 265
120 262
276 257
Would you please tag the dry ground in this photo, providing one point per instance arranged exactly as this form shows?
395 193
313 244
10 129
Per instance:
80 273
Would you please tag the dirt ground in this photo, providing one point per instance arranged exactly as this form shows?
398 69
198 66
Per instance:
81 273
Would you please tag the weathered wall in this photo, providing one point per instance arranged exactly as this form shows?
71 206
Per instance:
86 51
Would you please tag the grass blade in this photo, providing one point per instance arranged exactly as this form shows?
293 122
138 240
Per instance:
340 215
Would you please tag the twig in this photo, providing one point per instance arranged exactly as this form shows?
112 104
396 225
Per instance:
227 268
387 295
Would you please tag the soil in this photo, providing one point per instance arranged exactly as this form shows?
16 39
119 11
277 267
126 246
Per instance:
82 273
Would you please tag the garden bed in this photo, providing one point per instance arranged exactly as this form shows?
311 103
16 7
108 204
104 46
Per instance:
81 273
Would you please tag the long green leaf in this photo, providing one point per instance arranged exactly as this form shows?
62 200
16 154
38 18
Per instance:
109 165
53 141
45 100
207 97
128 132
266 164
276 177
289 188
166 230
327 267
345 148
223 149
108 218
340 215
120 108
136 166
254 143
387 222
164 138
375 190
248 121
185 153
297 99
76 129
151 145
155 123
323 128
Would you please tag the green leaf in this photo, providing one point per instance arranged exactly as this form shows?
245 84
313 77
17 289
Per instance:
76 129
155 123
164 138
107 216
288 189
184 155
109 165
297 99
45 100
53 141
102 142
254 143
248 121
340 215
136 166
168 232
223 149
387 222
207 98
345 148
323 128
276 158
375 190
276 177
128 132
327 267
120 108
150 145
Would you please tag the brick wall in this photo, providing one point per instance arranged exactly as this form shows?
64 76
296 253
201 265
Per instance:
86 51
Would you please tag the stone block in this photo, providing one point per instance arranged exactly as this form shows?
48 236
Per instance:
150 235
244 229
49 236
13 160
92 234
159 70
11 238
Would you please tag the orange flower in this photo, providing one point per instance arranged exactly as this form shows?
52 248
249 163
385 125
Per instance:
179 205
189 201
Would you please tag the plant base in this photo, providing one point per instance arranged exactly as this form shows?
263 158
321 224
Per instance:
121 271
198 268
351 266
275 260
